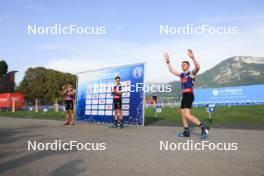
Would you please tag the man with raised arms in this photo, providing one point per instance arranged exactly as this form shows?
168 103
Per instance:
187 79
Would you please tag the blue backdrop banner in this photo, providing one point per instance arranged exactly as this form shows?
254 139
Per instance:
240 95
94 102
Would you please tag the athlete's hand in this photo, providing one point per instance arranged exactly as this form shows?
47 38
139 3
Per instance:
190 53
166 57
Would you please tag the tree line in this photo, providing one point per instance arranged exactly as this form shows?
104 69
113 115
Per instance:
44 84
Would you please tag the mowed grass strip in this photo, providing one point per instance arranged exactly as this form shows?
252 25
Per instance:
233 114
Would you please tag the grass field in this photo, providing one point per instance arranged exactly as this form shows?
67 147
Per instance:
223 115
235 115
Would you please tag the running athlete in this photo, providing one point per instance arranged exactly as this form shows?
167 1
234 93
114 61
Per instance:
117 101
187 79
69 94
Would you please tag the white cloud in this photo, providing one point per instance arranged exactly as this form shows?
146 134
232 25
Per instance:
209 51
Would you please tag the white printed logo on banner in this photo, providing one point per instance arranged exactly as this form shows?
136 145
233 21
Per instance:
102 96
102 101
109 107
94 112
89 91
88 107
109 95
125 100
101 112
126 113
126 94
101 107
109 101
87 112
109 113
215 92
103 87
95 96
95 102
126 83
138 72
94 106
125 106
88 101
88 96
109 87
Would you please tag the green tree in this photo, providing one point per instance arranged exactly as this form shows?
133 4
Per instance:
44 84
3 67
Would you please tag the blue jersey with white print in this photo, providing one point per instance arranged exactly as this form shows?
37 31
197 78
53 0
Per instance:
187 82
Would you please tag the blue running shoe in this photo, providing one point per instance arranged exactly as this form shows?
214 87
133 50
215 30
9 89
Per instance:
204 134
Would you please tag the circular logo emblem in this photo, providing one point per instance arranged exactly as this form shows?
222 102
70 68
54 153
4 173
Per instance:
215 92
138 72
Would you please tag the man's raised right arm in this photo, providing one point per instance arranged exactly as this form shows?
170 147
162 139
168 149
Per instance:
171 69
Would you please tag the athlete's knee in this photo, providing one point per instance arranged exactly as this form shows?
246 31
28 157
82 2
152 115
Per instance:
183 116
187 116
182 112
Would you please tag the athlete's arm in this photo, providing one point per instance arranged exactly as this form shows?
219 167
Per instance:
64 91
73 92
196 64
171 69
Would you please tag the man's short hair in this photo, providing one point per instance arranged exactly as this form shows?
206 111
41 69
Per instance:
117 77
187 62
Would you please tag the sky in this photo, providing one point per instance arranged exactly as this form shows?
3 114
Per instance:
132 34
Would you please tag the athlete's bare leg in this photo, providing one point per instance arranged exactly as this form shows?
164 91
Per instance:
120 117
116 114
184 121
72 116
116 118
120 113
67 117
188 116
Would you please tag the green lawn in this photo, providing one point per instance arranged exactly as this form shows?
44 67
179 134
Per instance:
223 115
234 114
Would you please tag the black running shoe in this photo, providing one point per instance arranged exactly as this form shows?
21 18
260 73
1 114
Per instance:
114 126
183 134
121 125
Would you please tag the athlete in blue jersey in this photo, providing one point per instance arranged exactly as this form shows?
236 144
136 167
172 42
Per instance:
187 79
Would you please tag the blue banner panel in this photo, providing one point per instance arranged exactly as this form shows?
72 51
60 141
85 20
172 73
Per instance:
94 102
240 95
